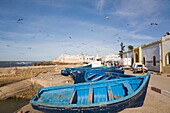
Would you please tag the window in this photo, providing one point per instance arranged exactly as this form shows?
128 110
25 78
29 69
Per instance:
154 61
144 60
168 59
137 57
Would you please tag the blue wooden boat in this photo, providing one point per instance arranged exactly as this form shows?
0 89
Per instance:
78 73
108 96
67 71
80 76
92 76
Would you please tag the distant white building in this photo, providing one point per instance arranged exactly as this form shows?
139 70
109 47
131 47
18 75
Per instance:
67 58
111 57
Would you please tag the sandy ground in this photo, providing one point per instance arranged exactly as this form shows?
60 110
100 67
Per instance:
154 102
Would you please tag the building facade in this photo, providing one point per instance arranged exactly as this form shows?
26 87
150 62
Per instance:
155 55
166 54
111 57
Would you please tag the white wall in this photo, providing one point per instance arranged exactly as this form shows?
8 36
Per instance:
148 53
166 47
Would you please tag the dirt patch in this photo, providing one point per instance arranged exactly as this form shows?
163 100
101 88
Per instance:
28 94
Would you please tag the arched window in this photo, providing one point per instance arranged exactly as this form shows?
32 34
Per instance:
154 61
168 59
132 61
144 60
137 57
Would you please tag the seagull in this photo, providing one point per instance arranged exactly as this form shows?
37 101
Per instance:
70 37
51 78
20 19
107 17
67 82
153 23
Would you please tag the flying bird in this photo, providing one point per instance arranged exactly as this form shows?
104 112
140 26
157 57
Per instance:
70 37
153 23
107 17
20 19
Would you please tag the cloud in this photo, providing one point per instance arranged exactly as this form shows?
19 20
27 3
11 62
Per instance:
138 8
99 5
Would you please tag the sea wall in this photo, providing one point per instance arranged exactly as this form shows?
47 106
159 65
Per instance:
16 82
15 74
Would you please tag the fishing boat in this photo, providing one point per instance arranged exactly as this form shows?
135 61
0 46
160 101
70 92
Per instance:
67 71
108 96
80 76
92 76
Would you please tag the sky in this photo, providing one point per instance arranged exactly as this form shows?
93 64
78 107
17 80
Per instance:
41 30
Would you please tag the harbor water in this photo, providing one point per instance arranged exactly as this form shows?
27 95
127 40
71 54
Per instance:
5 64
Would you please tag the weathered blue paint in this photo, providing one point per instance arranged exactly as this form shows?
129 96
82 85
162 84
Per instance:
92 76
78 73
68 71
64 72
94 97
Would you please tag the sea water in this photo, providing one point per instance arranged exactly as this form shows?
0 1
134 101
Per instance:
5 64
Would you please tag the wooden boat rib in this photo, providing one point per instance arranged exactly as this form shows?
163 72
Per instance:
95 97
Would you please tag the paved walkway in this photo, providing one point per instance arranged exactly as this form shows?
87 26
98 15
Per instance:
159 83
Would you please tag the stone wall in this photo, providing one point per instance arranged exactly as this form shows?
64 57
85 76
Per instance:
11 75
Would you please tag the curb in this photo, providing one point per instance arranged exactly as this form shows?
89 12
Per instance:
160 91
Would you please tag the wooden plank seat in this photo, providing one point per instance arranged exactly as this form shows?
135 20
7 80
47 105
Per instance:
129 87
98 78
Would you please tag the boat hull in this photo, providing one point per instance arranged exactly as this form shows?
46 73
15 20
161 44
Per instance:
134 101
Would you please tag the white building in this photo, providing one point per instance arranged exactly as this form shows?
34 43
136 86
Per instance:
67 58
155 55
111 57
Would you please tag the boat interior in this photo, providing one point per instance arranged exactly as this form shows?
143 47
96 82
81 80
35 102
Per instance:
85 94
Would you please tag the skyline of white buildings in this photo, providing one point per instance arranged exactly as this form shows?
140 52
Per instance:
68 58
